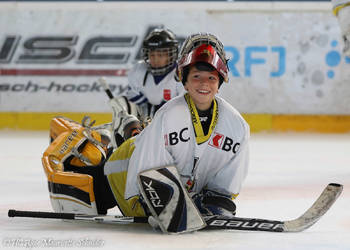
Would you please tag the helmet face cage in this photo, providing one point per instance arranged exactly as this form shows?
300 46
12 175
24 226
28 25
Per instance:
198 43
163 41
172 56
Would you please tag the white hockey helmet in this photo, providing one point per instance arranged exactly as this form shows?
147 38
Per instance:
202 47
162 40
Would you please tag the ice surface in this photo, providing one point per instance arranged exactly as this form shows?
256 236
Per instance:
287 173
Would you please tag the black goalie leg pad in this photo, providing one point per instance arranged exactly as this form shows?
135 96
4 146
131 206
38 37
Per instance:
169 201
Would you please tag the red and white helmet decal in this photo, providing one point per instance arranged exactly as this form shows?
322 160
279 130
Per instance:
203 47
205 53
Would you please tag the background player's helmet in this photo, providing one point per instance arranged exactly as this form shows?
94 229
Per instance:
206 48
161 40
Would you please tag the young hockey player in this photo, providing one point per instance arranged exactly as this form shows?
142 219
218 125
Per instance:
196 141
341 9
151 81
200 133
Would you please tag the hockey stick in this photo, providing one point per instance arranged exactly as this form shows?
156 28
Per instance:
310 217
70 216
117 108
110 95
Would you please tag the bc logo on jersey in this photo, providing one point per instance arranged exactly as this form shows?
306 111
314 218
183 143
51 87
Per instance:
223 142
173 138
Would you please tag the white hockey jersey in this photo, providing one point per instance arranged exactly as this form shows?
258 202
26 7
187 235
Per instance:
219 163
142 87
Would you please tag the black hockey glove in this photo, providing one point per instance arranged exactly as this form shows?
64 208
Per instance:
213 203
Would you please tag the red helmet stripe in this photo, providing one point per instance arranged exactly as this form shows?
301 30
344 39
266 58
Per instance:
205 53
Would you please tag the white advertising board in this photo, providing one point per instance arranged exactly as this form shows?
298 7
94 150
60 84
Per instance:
285 58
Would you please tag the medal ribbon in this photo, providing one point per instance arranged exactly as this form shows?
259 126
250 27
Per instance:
200 136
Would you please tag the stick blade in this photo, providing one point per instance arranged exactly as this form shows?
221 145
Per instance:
317 210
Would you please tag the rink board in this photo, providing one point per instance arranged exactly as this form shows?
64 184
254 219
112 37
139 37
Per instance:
287 71
257 122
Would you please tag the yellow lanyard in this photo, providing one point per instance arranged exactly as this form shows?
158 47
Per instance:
200 136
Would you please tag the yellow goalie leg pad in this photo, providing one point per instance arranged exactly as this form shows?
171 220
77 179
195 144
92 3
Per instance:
69 192
116 170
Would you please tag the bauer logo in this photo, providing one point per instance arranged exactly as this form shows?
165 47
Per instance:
68 141
247 225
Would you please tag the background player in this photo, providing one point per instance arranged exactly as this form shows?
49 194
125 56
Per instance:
151 81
